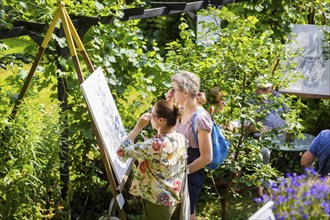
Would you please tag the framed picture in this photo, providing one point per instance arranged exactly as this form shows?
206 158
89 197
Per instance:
312 64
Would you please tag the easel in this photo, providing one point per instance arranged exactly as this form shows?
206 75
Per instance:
73 37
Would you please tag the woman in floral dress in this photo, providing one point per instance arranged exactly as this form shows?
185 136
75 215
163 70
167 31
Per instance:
161 160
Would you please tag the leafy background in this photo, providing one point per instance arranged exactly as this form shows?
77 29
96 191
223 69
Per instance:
138 58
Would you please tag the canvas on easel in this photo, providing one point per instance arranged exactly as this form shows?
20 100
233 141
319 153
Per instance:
107 120
313 65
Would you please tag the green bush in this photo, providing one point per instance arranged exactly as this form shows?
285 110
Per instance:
29 158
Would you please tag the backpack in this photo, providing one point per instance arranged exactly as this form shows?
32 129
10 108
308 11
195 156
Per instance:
220 146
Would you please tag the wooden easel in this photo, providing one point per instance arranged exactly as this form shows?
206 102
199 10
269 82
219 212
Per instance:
73 37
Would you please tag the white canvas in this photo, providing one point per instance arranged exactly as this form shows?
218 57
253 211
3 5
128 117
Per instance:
107 119
312 64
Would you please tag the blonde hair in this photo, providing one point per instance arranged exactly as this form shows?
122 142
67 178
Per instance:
189 82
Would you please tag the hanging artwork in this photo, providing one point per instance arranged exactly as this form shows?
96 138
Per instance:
107 119
312 64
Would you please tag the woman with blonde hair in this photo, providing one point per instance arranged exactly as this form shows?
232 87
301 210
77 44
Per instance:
185 93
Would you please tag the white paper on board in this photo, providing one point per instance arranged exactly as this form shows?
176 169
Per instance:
107 119
312 64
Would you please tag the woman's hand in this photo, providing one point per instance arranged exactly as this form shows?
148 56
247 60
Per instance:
140 124
143 120
170 95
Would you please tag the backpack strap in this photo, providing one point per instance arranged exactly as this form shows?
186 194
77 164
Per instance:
193 124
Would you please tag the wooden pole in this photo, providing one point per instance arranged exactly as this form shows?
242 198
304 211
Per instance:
35 64
72 37
78 42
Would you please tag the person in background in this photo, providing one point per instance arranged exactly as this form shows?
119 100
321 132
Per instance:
161 164
273 119
185 93
320 149
216 100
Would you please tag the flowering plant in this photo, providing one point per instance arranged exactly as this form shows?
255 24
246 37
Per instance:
305 196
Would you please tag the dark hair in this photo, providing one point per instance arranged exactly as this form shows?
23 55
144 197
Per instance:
215 96
167 110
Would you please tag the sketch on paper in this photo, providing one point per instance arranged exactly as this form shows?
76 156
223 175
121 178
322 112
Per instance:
312 64
107 119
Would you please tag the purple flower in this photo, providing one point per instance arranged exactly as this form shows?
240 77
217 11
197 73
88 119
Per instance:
280 217
296 195
289 190
326 207
306 203
305 216
258 200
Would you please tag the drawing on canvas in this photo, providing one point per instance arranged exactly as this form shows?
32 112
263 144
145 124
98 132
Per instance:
107 119
313 65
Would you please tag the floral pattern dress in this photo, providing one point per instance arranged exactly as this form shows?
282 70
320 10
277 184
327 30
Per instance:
160 171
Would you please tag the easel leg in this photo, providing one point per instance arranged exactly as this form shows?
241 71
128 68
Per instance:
112 210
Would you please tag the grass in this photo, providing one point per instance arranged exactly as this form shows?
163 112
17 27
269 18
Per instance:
14 84
239 205
16 44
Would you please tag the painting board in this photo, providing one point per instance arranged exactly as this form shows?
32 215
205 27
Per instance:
107 120
312 64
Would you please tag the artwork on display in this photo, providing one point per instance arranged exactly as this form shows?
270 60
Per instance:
312 64
107 119
205 36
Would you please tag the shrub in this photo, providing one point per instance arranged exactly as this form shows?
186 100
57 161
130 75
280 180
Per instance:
30 161
305 196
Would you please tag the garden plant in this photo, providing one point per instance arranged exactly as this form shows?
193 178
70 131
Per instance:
50 130
304 196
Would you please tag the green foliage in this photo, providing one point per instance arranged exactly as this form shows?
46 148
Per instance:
30 149
315 115
19 57
252 46
163 29
246 54
132 71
